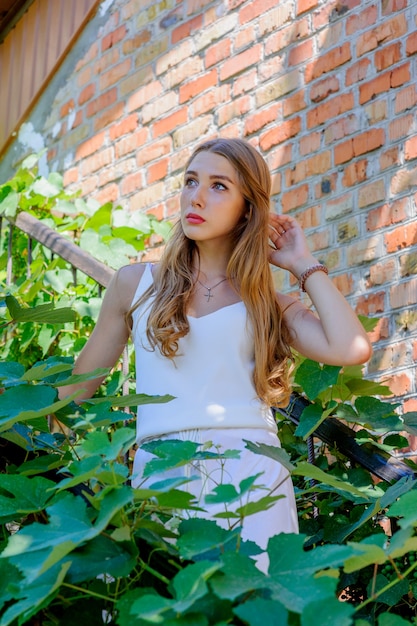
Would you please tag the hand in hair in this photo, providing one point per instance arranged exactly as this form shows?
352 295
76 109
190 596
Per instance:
289 247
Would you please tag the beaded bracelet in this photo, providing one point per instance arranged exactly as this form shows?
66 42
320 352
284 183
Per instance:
310 270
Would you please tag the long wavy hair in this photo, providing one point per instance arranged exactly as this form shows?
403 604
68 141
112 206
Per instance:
248 270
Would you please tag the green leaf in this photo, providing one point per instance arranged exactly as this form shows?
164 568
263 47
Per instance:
392 595
331 613
99 443
189 585
368 552
44 187
378 415
42 370
410 422
43 313
308 470
311 418
315 378
130 400
35 595
199 537
100 556
389 619
100 217
278 454
362 387
260 612
406 509
20 496
8 206
10 372
239 575
30 161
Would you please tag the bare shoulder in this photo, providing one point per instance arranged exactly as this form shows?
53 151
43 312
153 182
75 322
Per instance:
125 282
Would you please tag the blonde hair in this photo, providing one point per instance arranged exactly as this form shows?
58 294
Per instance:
248 269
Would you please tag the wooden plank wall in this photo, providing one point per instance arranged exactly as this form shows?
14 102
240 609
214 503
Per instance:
32 52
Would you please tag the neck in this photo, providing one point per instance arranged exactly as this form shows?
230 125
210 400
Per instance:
212 264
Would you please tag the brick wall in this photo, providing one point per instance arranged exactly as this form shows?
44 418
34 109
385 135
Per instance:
326 90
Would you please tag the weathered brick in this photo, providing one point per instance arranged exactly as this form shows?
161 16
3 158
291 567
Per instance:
113 38
241 62
294 198
278 88
362 20
401 126
294 103
406 99
90 146
328 62
364 251
87 93
284 37
358 71
319 91
127 125
306 168
386 215
354 173
97 161
347 230
371 193
404 236
408 265
310 143
330 109
275 18
170 122
410 147
280 133
218 52
342 127
404 294
197 86
209 100
254 9
411 46
339 207
234 109
388 56
108 116
301 53
114 74
306 5
261 118
144 95
146 197
186 29
101 102
382 273
387 30
192 131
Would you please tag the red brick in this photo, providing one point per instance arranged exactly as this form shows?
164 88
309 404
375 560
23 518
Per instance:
232 110
331 11
306 5
402 237
294 103
170 122
132 183
330 109
354 173
410 148
361 144
67 108
153 151
131 142
136 42
294 198
244 38
357 72
104 100
301 53
254 9
108 116
97 161
386 215
388 56
411 47
344 283
114 74
319 91
261 118
244 83
306 168
144 95
157 171
187 29
400 384
378 85
371 304
328 62
218 52
342 127
280 133
197 86
406 99
210 100
401 127
87 93
391 6
70 176
387 30
113 38
90 146
404 294
241 62
110 193
362 20
127 125
382 273
310 143
389 158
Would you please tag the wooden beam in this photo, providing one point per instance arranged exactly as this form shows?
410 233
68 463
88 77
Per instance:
64 248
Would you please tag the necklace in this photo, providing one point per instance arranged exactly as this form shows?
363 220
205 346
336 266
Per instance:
210 289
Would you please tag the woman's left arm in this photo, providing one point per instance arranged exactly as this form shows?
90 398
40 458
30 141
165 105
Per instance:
335 335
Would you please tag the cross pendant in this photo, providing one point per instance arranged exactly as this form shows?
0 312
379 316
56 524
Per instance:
208 294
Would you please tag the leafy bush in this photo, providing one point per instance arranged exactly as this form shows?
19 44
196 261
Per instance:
79 544
108 233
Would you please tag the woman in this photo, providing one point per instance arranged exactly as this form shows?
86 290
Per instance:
209 328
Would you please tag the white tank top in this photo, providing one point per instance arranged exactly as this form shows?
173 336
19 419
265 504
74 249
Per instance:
211 376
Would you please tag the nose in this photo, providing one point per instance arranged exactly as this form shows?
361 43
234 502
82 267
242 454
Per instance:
197 198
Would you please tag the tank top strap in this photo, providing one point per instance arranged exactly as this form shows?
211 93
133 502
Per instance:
145 282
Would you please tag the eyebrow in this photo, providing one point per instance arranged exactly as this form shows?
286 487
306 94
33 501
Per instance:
212 176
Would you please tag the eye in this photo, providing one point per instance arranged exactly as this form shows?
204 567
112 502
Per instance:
219 186
190 182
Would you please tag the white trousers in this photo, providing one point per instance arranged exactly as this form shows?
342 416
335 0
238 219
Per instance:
281 517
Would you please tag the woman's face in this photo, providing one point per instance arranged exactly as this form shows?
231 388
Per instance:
212 204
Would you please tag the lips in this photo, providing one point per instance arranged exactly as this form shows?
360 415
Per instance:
193 218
